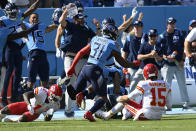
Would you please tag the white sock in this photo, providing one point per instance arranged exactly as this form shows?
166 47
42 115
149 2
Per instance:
118 107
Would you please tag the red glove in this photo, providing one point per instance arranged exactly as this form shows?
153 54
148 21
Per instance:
137 62
71 71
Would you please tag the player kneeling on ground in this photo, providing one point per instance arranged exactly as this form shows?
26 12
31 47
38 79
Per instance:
156 98
41 100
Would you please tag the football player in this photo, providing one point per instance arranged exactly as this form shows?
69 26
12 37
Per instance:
100 49
13 57
156 98
40 101
37 62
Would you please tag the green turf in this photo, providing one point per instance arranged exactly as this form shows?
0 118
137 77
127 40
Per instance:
168 123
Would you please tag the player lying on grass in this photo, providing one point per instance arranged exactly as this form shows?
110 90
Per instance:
41 100
156 96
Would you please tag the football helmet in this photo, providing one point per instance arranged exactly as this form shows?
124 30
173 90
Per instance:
55 93
109 21
56 15
110 31
150 70
79 6
11 11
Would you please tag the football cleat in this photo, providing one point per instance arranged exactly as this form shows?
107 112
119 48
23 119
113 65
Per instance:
89 116
65 81
79 99
71 114
99 114
126 114
83 104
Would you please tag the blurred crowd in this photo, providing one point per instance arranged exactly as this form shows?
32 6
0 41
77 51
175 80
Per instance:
102 3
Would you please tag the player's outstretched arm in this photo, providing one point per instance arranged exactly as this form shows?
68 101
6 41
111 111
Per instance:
187 48
59 33
51 28
21 34
126 23
31 9
121 60
27 96
78 56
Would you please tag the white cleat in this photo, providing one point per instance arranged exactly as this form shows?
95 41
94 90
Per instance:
11 119
65 81
126 114
101 115
83 104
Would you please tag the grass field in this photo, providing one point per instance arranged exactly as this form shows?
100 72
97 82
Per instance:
168 123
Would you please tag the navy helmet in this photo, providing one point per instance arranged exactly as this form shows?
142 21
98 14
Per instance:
110 31
108 20
11 11
56 15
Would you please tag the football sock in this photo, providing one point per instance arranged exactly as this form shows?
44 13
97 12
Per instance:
118 107
98 104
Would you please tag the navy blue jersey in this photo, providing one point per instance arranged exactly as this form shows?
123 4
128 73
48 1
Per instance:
4 32
77 37
146 49
172 42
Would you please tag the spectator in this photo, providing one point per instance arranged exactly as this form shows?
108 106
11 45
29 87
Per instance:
188 2
125 3
172 45
98 3
20 3
51 3
14 56
109 3
39 6
87 3
3 4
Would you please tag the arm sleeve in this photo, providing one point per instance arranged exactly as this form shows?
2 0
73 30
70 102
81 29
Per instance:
134 94
80 54
141 49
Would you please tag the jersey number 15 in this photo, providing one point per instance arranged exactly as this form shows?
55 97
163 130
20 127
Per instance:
161 100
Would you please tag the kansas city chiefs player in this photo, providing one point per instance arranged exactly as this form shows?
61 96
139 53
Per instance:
36 102
156 98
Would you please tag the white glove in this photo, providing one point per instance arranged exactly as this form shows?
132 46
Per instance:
134 12
30 108
58 53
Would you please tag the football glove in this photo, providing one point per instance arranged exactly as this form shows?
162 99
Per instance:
30 108
191 60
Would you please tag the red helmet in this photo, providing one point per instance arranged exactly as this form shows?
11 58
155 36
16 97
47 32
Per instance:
55 93
150 70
